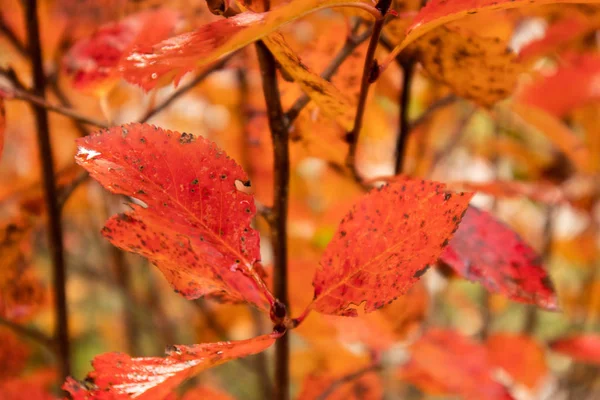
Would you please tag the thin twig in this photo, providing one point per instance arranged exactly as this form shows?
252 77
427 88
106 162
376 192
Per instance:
370 74
55 235
346 379
67 191
278 223
40 101
186 88
349 47
12 38
31 333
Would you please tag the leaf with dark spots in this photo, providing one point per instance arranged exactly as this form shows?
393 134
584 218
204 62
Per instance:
440 12
119 376
381 253
474 67
487 251
195 226
583 348
443 362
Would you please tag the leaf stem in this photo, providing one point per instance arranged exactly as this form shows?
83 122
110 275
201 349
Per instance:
55 235
278 223
40 101
370 75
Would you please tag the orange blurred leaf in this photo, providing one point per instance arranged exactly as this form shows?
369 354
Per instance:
365 387
521 356
445 362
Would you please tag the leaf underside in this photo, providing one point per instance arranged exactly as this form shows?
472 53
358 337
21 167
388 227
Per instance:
485 250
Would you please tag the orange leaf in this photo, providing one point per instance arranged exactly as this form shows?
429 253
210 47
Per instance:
195 224
118 376
440 12
475 67
92 62
583 348
385 244
176 56
521 356
446 362
485 250
557 132
333 102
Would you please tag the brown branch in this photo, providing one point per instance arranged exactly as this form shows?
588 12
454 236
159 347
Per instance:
370 74
278 223
349 47
346 379
55 235
31 333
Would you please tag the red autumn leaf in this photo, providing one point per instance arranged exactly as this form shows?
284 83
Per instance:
92 62
551 94
195 224
367 386
559 35
385 244
522 357
118 376
36 386
487 251
440 12
150 64
445 362
583 348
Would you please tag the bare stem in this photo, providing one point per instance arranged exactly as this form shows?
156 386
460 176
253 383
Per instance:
51 195
278 223
370 74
